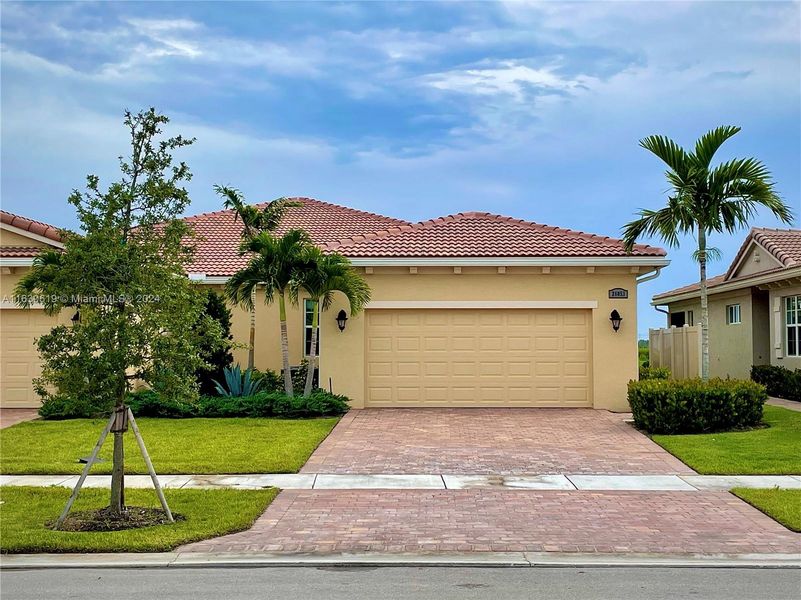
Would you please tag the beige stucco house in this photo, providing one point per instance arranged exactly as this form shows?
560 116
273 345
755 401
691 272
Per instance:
21 239
472 309
754 308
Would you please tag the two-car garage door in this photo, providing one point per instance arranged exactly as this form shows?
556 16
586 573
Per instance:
478 357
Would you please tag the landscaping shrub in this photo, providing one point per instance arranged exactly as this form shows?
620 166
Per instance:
693 406
264 404
271 381
216 356
148 403
779 381
648 372
60 406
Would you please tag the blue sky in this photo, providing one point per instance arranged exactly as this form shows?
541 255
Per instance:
414 110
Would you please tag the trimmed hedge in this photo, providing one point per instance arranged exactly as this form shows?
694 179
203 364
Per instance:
647 372
693 406
264 404
779 381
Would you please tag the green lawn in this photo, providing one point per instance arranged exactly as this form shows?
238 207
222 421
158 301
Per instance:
176 446
209 513
782 505
769 451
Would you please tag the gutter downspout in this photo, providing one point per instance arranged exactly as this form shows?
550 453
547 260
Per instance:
650 277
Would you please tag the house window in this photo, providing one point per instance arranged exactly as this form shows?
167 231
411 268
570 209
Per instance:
677 319
792 320
690 318
308 306
733 314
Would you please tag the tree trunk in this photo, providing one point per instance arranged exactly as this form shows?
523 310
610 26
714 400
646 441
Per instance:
312 366
285 344
117 502
252 347
704 305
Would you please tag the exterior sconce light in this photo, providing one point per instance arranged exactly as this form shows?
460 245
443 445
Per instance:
342 318
616 319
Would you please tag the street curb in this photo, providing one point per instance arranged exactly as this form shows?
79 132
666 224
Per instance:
11 562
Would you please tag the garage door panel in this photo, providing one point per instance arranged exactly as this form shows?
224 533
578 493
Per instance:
19 356
488 357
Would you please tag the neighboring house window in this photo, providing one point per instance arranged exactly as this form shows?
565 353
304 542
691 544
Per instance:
733 314
677 319
307 328
792 320
690 318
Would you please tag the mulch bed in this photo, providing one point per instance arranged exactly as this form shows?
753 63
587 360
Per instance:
102 519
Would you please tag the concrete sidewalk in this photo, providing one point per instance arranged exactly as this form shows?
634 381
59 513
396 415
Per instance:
179 559
324 481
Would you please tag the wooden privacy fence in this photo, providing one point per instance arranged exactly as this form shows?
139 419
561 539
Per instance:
678 349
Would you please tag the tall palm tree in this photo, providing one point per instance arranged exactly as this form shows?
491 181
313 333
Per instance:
703 200
274 264
254 221
324 275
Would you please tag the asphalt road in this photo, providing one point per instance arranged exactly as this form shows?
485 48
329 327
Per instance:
367 583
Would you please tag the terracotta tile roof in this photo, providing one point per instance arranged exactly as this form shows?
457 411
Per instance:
43 229
783 244
19 251
480 234
219 235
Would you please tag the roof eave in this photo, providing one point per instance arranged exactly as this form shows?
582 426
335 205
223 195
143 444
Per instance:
512 261
728 286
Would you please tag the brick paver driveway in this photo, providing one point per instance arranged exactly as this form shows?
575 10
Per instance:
500 441
505 441
325 521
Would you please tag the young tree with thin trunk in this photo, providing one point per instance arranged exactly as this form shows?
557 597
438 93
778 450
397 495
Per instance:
274 264
323 277
254 221
705 200
138 317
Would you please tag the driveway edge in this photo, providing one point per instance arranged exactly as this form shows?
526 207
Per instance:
11 562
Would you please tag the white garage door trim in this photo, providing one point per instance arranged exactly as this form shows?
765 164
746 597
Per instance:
522 304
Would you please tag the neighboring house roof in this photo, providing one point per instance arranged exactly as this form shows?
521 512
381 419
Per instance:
783 244
219 233
50 232
481 234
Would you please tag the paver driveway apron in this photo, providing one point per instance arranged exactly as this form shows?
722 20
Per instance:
501 442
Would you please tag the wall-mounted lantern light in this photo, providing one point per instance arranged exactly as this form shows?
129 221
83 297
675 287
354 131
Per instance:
342 318
616 319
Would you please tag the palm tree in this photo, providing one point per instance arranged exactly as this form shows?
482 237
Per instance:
326 274
703 200
254 221
274 265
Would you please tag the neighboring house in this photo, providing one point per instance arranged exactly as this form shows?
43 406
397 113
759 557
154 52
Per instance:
468 310
754 308
21 239
472 309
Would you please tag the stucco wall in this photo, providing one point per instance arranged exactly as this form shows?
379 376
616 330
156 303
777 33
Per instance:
11 238
614 354
730 346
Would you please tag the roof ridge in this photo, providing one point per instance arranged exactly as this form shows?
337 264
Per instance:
303 199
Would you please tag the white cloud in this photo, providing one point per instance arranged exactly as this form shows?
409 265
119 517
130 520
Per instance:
508 78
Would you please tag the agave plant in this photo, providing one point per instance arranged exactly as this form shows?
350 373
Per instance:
238 383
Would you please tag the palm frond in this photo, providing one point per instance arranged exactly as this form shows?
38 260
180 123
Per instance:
669 151
709 143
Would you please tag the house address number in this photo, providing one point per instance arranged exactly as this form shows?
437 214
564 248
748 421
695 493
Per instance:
618 293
